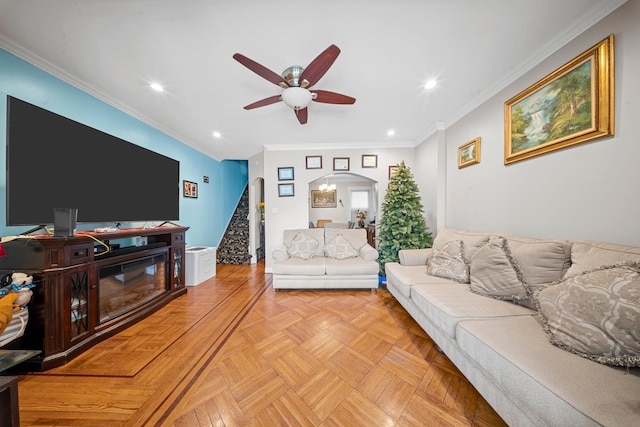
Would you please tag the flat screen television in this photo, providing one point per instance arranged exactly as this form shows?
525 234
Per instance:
56 162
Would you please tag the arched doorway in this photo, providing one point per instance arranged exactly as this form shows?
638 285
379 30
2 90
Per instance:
257 224
337 197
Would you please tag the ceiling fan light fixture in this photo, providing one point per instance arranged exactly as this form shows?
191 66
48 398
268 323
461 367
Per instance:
296 97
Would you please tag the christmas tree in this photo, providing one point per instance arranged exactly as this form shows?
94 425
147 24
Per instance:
402 225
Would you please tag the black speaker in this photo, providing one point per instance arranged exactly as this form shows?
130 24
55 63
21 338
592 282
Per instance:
64 222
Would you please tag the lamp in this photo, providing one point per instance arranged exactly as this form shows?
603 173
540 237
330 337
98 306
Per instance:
296 97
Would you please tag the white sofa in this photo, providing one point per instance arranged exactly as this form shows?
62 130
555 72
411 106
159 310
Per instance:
502 347
325 258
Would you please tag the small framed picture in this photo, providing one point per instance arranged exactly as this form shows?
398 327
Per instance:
340 163
323 199
285 174
469 153
392 170
190 189
369 160
285 190
314 162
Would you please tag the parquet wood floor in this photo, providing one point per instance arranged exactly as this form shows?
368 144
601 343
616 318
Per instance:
233 352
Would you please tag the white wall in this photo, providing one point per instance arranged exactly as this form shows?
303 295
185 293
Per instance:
588 191
427 176
293 212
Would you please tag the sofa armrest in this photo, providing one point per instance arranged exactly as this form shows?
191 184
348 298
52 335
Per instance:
414 256
368 253
280 255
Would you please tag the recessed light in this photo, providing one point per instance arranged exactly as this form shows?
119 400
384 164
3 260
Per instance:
430 84
391 132
157 87
216 134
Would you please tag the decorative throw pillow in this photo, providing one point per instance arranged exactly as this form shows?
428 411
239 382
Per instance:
302 246
448 262
495 273
340 248
596 314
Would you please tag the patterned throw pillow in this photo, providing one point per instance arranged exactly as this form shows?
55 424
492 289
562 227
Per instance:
596 314
302 246
449 262
495 273
340 248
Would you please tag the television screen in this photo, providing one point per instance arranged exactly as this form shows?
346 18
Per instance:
55 162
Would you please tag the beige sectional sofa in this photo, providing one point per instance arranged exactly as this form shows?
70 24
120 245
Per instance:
325 258
496 321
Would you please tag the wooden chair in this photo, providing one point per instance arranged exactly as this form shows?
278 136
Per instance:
321 222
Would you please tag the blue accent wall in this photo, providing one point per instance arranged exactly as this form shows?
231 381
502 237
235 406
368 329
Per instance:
207 216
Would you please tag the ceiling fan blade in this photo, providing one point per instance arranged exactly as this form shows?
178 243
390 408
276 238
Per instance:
319 66
302 115
267 101
261 70
332 97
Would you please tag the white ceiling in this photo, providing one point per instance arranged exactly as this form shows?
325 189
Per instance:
114 49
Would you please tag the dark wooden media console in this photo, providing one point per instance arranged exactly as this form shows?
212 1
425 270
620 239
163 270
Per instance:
84 295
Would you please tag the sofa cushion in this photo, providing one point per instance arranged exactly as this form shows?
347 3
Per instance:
315 233
472 241
596 314
302 246
311 267
340 248
414 256
587 255
280 254
403 277
495 273
368 253
350 266
449 262
562 388
541 261
447 304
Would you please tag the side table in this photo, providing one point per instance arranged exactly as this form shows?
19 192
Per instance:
9 408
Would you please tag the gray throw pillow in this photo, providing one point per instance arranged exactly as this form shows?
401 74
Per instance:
448 262
302 247
596 314
340 248
495 273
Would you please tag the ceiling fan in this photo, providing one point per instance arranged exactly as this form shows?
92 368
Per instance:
296 82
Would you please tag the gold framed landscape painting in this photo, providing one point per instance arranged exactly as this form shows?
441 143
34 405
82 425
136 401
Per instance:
572 105
323 199
469 153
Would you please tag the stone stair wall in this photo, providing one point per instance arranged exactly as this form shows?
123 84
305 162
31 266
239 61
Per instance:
234 247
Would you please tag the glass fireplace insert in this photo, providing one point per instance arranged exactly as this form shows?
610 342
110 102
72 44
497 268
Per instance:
127 285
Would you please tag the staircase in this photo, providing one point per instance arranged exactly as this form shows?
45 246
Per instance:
234 247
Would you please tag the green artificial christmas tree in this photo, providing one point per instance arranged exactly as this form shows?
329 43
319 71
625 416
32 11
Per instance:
402 225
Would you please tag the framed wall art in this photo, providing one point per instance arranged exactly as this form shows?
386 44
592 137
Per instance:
285 190
314 162
369 160
392 170
285 174
190 189
469 153
340 163
572 105
323 199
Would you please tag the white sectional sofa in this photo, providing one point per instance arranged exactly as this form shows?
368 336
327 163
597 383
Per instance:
497 326
325 258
